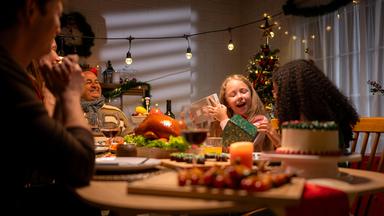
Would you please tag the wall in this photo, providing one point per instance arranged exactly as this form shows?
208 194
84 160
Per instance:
162 62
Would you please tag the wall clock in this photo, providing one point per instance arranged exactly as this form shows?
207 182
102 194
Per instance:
76 36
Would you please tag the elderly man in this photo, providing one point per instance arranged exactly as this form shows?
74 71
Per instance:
93 102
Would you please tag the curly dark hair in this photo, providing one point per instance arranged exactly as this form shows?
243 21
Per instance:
305 93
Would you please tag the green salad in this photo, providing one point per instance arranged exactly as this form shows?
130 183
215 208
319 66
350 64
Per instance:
178 142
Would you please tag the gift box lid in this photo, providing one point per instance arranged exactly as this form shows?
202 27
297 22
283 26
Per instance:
238 129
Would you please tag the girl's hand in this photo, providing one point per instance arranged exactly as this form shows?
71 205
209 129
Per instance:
219 112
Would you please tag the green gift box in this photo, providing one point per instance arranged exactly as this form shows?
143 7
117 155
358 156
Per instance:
238 129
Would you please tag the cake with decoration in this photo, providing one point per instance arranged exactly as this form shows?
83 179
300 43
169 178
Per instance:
309 138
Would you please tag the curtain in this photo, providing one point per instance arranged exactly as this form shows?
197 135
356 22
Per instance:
350 52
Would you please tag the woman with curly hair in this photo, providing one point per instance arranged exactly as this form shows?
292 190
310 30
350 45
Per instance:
303 92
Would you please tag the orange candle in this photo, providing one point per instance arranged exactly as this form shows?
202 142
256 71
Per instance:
241 152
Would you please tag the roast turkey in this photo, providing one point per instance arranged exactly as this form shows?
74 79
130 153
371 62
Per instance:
157 126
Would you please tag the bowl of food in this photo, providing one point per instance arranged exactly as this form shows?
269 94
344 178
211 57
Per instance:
137 119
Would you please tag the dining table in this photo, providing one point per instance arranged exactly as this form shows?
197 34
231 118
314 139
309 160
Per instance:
111 192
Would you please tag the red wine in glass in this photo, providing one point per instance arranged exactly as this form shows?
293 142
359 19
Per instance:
195 136
110 132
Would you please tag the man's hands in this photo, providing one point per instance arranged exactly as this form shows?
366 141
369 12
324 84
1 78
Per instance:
63 77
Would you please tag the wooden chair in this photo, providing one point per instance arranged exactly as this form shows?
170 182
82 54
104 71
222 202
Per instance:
367 133
275 123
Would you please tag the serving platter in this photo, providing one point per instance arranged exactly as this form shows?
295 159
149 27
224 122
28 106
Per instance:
208 163
166 184
311 166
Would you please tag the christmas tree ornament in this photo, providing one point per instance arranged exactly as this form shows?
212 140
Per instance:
261 66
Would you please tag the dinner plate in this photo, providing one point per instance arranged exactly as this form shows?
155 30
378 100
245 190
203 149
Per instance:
101 149
125 163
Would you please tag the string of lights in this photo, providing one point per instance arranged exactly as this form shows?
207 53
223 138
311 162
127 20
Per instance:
129 60
266 28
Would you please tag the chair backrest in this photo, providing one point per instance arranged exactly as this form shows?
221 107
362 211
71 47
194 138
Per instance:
371 128
275 123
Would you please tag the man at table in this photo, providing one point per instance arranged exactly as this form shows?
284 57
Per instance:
45 159
93 102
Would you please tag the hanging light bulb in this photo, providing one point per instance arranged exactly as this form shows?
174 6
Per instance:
231 46
188 54
128 58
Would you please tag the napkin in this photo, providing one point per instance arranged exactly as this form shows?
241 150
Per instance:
238 129
319 201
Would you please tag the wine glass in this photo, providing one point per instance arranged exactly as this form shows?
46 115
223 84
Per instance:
194 130
93 121
109 124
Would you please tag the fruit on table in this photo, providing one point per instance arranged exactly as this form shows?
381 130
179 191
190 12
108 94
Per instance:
140 110
157 126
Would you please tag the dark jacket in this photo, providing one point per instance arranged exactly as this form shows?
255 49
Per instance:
42 152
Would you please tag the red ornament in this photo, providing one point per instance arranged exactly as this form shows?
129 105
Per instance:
93 70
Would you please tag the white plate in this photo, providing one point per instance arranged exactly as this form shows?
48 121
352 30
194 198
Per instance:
125 163
311 166
308 158
101 149
255 155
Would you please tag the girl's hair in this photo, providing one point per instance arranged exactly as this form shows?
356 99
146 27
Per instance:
305 93
257 107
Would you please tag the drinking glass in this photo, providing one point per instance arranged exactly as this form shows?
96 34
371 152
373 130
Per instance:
194 131
93 121
109 124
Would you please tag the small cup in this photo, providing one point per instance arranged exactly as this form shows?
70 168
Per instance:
213 145
126 150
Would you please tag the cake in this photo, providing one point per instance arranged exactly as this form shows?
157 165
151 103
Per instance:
309 138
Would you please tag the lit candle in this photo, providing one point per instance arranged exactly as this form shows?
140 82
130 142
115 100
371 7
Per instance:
241 152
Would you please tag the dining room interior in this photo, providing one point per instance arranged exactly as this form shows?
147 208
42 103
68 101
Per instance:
181 51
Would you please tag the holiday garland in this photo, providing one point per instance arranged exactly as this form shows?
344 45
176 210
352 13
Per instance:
124 87
315 125
291 8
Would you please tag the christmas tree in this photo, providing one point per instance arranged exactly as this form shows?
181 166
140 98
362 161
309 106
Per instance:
261 66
